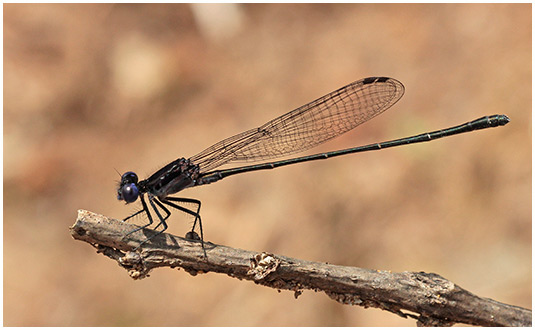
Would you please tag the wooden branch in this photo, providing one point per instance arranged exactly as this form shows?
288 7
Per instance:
429 298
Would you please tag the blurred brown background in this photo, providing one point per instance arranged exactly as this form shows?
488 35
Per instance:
89 89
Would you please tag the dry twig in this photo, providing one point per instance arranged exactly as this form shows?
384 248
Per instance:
426 297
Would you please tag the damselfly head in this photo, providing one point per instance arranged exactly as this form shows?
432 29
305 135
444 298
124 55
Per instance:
128 190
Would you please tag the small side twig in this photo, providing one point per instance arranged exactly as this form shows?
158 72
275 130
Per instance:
426 297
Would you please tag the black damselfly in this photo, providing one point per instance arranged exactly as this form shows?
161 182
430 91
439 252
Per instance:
296 131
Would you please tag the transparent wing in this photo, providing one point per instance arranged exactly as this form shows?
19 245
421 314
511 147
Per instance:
306 126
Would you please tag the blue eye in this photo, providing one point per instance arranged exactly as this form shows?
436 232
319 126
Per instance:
129 177
129 192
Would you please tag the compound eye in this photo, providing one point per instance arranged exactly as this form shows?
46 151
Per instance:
129 192
129 177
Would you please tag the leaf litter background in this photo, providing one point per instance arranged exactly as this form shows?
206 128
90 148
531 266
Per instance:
91 89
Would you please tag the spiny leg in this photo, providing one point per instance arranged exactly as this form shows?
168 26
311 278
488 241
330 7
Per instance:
167 200
133 215
162 219
192 201
146 210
